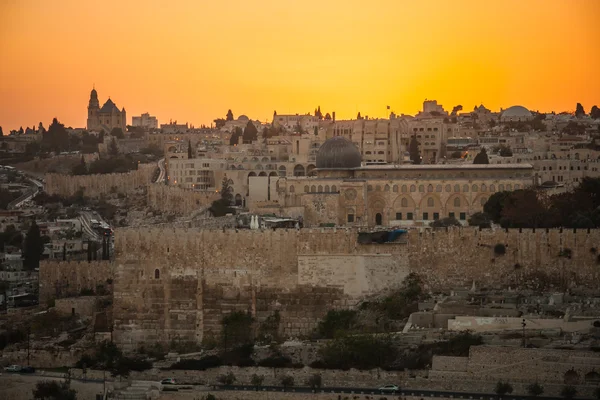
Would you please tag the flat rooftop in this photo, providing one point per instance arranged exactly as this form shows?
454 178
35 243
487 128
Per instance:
426 167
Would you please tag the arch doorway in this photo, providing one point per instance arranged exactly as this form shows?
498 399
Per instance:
238 200
378 219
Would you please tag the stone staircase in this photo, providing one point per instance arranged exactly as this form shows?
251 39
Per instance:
139 390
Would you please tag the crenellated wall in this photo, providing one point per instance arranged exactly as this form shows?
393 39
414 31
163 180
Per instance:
98 184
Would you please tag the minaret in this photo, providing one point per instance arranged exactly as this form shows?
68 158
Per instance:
93 108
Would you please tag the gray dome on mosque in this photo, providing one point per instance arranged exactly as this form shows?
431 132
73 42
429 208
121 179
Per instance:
338 152
516 111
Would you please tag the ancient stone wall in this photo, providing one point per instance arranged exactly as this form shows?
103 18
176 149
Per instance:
98 184
178 200
67 279
84 306
177 284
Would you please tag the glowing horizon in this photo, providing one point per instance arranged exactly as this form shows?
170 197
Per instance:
191 61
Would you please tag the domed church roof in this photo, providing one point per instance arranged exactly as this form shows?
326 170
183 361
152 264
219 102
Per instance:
516 111
338 152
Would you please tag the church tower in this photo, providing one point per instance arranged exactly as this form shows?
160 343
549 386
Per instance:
93 108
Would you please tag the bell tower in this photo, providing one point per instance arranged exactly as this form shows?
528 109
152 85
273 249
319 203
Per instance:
93 108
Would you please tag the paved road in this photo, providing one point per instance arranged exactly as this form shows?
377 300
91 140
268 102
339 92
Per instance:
36 186
20 386
85 217
404 392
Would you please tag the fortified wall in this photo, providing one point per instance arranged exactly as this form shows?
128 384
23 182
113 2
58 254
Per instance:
177 284
97 184
175 199
69 278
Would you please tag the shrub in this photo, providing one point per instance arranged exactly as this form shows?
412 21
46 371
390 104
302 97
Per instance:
358 351
54 390
257 380
86 292
567 253
287 382
568 392
275 362
458 346
210 396
503 388
315 381
481 220
240 356
445 222
227 379
237 329
535 389
499 249
336 322
198 365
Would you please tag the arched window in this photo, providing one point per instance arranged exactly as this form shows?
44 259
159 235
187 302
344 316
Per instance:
320 189
404 202
413 188
370 188
395 189
457 188
438 188
386 188
404 189
430 202
334 189
430 188
457 202
501 187
483 187
292 190
313 189
448 188
421 188
156 274
474 188
509 187
306 189
326 188
492 188
517 186
465 188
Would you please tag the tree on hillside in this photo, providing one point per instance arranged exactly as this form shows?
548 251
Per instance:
579 111
525 209
118 133
56 138
358 116
413 149
318 113
503 388
1 133
222 206
250 133
80 168
568 392
219 123
53 390
34 247
495 204
481 157
535 389
235 136
113 149
481 220
190 154
594 113
229 116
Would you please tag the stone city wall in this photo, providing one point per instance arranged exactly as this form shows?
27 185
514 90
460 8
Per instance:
99 184
40 358
178 200
84 306
67 279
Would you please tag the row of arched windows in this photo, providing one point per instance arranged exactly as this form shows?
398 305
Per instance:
447 188
431 202
315 189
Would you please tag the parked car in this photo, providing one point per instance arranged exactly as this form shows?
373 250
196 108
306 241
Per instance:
168 381
28 370
13 368
389 389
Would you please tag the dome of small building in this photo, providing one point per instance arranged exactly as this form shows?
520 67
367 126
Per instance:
516 112
243 118
338 152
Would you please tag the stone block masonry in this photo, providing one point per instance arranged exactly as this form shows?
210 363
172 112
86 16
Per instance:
68 279
178 200
98 184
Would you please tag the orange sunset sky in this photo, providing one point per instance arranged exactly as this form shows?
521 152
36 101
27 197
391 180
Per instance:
191 60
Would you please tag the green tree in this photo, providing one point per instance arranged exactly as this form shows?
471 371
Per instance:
222 206
118 133
495 205
287 382
250 133
113 149
413 149
53 390
229 116
227 379
219 123
237 329
535 389
257 381
337 322
481 157
81 168
594 113
1 132
56 138
34 247
568 392
505 151
445 222
579 111
315 382
481 220
235 136
190 153
503 388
